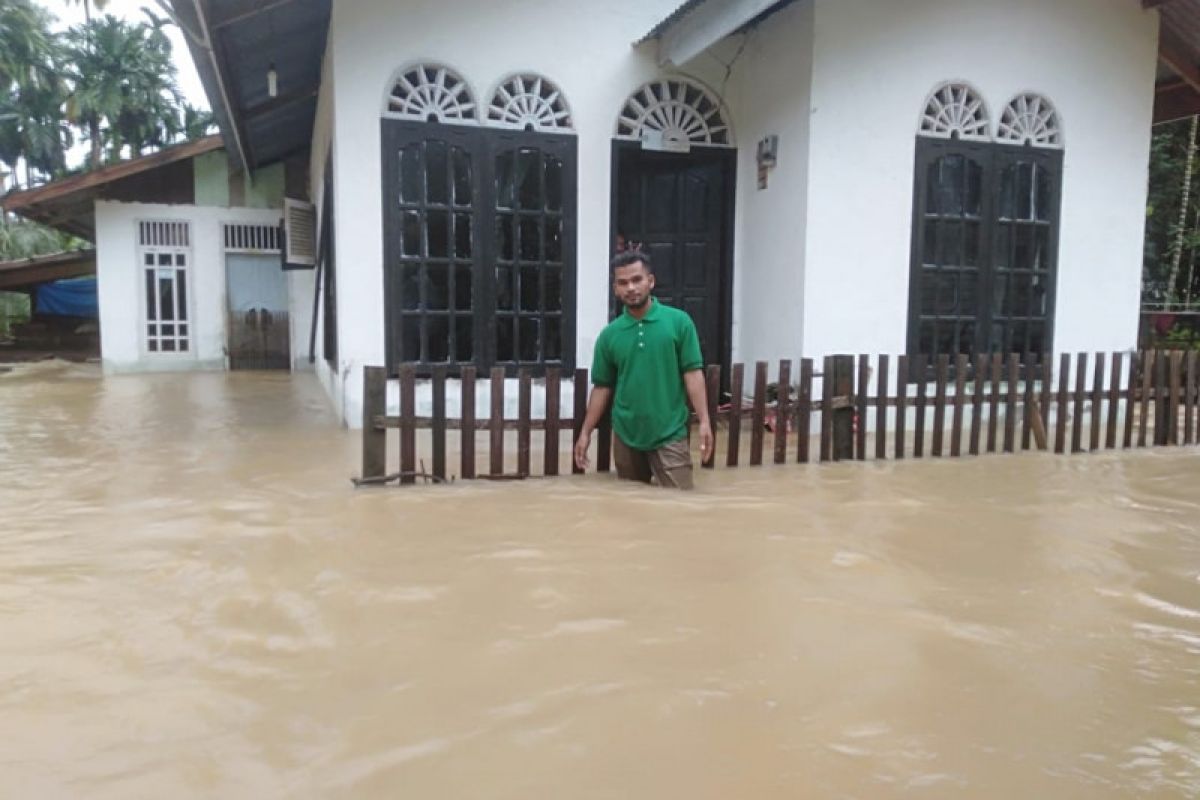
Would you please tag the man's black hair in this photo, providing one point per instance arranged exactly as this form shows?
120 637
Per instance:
629 257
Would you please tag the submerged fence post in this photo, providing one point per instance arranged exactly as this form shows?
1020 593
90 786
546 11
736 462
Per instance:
374 452
843 407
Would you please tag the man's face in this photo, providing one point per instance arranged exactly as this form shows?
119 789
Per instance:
633 284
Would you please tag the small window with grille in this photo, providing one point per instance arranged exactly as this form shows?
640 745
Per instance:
164 250
246 238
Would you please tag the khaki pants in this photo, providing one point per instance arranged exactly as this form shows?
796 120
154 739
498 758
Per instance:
669 465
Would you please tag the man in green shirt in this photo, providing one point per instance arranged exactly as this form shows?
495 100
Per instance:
647 361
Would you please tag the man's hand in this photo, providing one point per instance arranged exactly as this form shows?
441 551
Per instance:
706 442
581 449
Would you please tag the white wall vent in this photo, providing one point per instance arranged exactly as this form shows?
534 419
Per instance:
299 233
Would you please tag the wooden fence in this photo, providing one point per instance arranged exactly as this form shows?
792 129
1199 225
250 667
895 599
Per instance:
966 406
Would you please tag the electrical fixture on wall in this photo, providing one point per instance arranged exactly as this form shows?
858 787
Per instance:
768 155
272 81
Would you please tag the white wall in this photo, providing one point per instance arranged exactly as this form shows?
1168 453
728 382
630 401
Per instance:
769 95
584 47
876 61
121 289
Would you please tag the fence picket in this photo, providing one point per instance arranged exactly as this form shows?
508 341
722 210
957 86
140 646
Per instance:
860 395
736 379
759 413
467 431
922 388
439 422
881 397
550 438
1060 424
524 411
1114 401
496 423
408 430
783 410
1097 404
1010 409
804 411
901 403
939 403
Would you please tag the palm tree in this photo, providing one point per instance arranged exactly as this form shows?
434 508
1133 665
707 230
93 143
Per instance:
32 126
123 85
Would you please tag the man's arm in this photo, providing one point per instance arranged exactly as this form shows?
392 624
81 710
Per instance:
597 405
693 381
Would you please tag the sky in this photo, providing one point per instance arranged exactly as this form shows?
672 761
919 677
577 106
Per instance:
71 13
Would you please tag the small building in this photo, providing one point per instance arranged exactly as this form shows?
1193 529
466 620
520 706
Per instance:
187 258
809 176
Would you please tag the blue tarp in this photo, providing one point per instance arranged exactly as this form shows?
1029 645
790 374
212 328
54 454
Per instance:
72 297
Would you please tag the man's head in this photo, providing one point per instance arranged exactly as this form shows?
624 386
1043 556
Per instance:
633 279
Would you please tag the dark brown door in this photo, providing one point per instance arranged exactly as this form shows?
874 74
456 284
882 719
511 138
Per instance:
678 208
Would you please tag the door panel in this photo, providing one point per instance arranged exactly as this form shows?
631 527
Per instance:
677 207
256 292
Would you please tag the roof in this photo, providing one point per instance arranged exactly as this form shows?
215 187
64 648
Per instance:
67 203
28 272
234 44
1177 89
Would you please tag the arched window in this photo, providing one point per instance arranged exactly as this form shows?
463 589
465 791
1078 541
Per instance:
529 102
1030 119
479 223
955 111
985 227
680 111
431 93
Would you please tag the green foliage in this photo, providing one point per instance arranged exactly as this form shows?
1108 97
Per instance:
32 91
14 308
124 92
109 82
22 239
1168 156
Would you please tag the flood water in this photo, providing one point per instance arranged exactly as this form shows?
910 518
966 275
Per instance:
194 602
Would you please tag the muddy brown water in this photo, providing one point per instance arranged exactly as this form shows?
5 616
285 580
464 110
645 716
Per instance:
194 602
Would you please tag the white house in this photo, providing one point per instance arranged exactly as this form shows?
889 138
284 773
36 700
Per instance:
188 259
809 176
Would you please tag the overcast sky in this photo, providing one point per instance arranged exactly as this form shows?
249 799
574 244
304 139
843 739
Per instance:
70 13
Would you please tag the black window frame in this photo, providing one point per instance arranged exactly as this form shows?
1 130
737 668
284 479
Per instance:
484 144
993 158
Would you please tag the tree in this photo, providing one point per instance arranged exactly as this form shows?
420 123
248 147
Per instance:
32 127
1170 232
123 86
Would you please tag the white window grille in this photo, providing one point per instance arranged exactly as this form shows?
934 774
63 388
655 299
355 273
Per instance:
246 238
955 111
164 233
674 114
432 93
529 102
1030 119
165 250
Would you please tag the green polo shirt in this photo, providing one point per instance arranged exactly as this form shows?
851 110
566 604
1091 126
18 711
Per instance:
645 360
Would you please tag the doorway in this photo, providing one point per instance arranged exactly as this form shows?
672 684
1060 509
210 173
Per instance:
678 207
258 327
